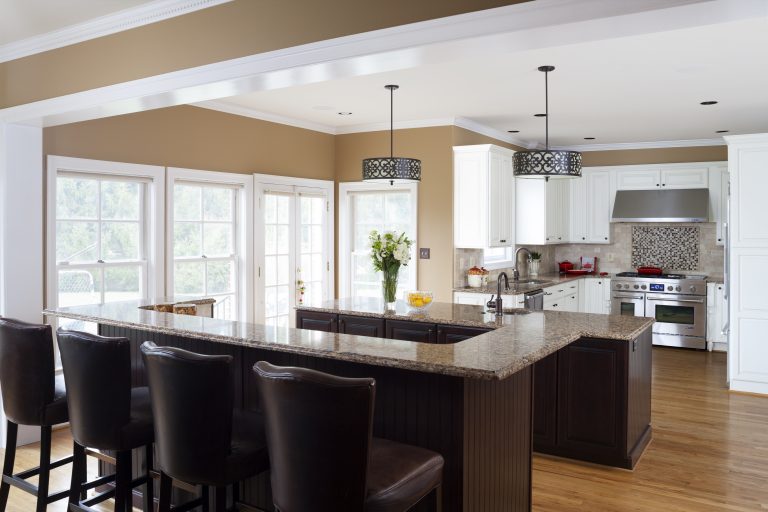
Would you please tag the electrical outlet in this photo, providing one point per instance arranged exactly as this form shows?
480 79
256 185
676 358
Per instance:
609 256
424 253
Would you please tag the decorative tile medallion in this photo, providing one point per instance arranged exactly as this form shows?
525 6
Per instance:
668 247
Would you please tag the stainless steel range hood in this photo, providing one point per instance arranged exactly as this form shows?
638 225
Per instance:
685 205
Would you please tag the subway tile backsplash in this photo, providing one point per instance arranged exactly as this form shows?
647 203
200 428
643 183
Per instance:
676 247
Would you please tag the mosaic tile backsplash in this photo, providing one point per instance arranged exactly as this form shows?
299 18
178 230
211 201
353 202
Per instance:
668 247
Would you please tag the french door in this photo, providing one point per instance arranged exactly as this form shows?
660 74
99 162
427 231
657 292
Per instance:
294 241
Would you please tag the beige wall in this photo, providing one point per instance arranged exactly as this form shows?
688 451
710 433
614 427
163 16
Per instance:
435 218
235 29
197 138
655 156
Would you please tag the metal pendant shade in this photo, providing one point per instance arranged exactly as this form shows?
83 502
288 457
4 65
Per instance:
547 163
394 169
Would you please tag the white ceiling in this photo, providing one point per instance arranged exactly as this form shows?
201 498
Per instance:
642 88
22 19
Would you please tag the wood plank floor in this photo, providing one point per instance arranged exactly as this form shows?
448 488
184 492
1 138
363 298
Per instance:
709 452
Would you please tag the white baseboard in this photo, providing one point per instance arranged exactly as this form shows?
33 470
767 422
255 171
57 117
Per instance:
746 386
720 346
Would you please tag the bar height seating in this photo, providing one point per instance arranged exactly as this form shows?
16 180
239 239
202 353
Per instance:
201 438
106 414
32 395
323 456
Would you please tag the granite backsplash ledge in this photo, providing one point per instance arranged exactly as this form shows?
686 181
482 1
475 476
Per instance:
692 247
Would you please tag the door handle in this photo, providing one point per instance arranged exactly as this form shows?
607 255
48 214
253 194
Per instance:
726 328
692 301
619 298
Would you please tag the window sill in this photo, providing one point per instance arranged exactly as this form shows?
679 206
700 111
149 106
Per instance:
496 265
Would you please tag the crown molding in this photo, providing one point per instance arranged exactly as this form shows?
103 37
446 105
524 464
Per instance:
238 110
474 126
644 145
398 125
103 26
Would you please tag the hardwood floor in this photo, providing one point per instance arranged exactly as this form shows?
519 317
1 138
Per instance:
709 452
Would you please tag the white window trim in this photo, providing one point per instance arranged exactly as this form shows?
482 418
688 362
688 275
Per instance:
291 184
508 262
155 215
244 242
345 227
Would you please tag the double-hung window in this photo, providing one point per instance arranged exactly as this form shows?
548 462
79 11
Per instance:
104 231
210 242
364 207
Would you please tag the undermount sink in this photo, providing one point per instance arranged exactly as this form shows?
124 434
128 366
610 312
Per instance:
530 281
512 311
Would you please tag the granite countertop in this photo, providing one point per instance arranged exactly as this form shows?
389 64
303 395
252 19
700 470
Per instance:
546 280
515 342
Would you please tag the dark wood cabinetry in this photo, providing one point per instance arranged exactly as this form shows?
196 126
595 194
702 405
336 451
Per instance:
411 331
455 334
316 321
592 401
361 326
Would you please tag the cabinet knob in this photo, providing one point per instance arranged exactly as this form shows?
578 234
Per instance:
663 184
583 238
559 238
606 238
502 241
658 185
719 239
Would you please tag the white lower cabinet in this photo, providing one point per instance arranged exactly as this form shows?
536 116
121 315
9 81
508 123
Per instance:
717 317
471 298
562 297
596 296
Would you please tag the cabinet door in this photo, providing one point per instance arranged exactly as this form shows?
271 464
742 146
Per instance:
470 198
361 326
316 321
725 189
578 210
513 301
598 206
591 385
571 303
496 207
545 403
411 331
606 289
471 299
721 313
640 179
507 238
685 178
551 208
454 334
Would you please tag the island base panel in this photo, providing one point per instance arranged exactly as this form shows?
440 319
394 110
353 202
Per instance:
482 428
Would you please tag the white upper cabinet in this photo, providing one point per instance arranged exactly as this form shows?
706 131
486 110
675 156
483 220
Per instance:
659 177
542 211
483 197
718 200
590 207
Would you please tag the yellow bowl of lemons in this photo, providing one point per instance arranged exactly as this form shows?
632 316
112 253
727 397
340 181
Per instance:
418 300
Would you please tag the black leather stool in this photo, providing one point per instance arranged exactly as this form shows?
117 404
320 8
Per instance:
105 414
201 439
322 452
32 395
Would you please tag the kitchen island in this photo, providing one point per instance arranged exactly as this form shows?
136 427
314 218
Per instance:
468 397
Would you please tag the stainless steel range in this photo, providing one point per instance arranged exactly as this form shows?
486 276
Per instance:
677 302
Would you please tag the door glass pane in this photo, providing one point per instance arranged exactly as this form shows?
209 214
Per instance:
312 248
627 309
77 287
675 314
278 276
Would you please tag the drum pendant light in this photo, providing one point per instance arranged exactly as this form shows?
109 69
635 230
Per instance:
547 163
392 169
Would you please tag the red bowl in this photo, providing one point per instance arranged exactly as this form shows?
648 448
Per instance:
649 271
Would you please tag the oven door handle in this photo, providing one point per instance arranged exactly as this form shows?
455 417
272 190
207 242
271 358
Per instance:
627 297
695 301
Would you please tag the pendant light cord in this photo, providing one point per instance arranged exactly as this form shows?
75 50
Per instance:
546 107
391 122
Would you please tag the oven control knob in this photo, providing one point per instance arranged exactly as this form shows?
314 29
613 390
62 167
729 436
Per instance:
669 288
643 287
618 286
626 287
677 288
637 287
693 289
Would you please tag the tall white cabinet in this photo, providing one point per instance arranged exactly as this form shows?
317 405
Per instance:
483 197
590 207
747 261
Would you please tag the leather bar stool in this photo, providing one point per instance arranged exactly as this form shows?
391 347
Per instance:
106 414
201 438
323 456
32 395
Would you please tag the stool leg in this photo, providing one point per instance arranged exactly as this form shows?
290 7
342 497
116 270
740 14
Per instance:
235 494
149 488
123 482
220 499
10 456
45 468
79 475
206 498
165 493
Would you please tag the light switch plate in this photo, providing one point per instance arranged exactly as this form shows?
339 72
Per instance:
424 253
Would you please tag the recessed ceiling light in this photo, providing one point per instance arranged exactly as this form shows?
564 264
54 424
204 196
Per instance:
722 131
345 113
513 131
709 102
589 138
539 115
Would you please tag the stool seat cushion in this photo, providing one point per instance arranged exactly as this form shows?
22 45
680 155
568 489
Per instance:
139 431
56 411
248 454
399 475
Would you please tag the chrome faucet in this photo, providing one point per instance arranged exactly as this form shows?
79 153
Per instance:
499 306
515 272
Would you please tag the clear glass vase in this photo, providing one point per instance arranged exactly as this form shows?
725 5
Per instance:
389 287
533 267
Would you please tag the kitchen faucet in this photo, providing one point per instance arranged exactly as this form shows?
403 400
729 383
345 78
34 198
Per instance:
499 306
515 273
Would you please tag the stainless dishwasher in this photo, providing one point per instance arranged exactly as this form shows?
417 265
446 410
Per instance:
534 300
